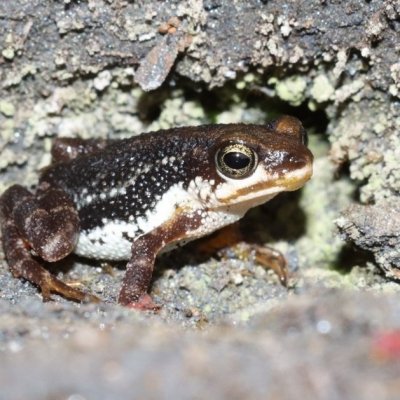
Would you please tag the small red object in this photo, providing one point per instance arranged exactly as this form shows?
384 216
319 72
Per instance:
386 345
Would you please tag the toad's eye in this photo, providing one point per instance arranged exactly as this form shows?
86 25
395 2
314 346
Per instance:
236 160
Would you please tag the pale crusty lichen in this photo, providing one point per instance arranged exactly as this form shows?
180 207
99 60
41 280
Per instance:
8 53
14 77
321 89
241 112
177 111
7 108
357 137
78 110
395 74
323 199
292 89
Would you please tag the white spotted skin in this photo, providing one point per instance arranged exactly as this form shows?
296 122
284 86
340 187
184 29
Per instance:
86 199
107 242
203 198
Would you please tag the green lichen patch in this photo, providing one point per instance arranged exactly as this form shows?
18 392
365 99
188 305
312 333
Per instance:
291 90
321 89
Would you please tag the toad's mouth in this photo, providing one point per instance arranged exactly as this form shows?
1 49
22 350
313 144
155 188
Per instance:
264 189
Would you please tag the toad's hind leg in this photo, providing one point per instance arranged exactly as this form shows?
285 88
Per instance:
46 223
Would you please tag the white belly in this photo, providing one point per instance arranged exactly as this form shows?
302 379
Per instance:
113 241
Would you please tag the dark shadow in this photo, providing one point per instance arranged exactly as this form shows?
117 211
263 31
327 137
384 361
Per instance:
149 104
350 256
282 218
66 264
222 98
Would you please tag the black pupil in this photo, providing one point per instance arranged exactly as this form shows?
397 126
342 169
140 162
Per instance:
236 160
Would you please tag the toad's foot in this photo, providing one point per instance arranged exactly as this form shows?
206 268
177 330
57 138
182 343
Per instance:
144 303
33 272
273 259
231 236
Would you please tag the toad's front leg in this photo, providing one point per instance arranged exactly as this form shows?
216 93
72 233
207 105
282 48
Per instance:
48 224
139 269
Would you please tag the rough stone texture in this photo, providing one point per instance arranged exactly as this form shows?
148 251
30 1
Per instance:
311 348
376 229
71 68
